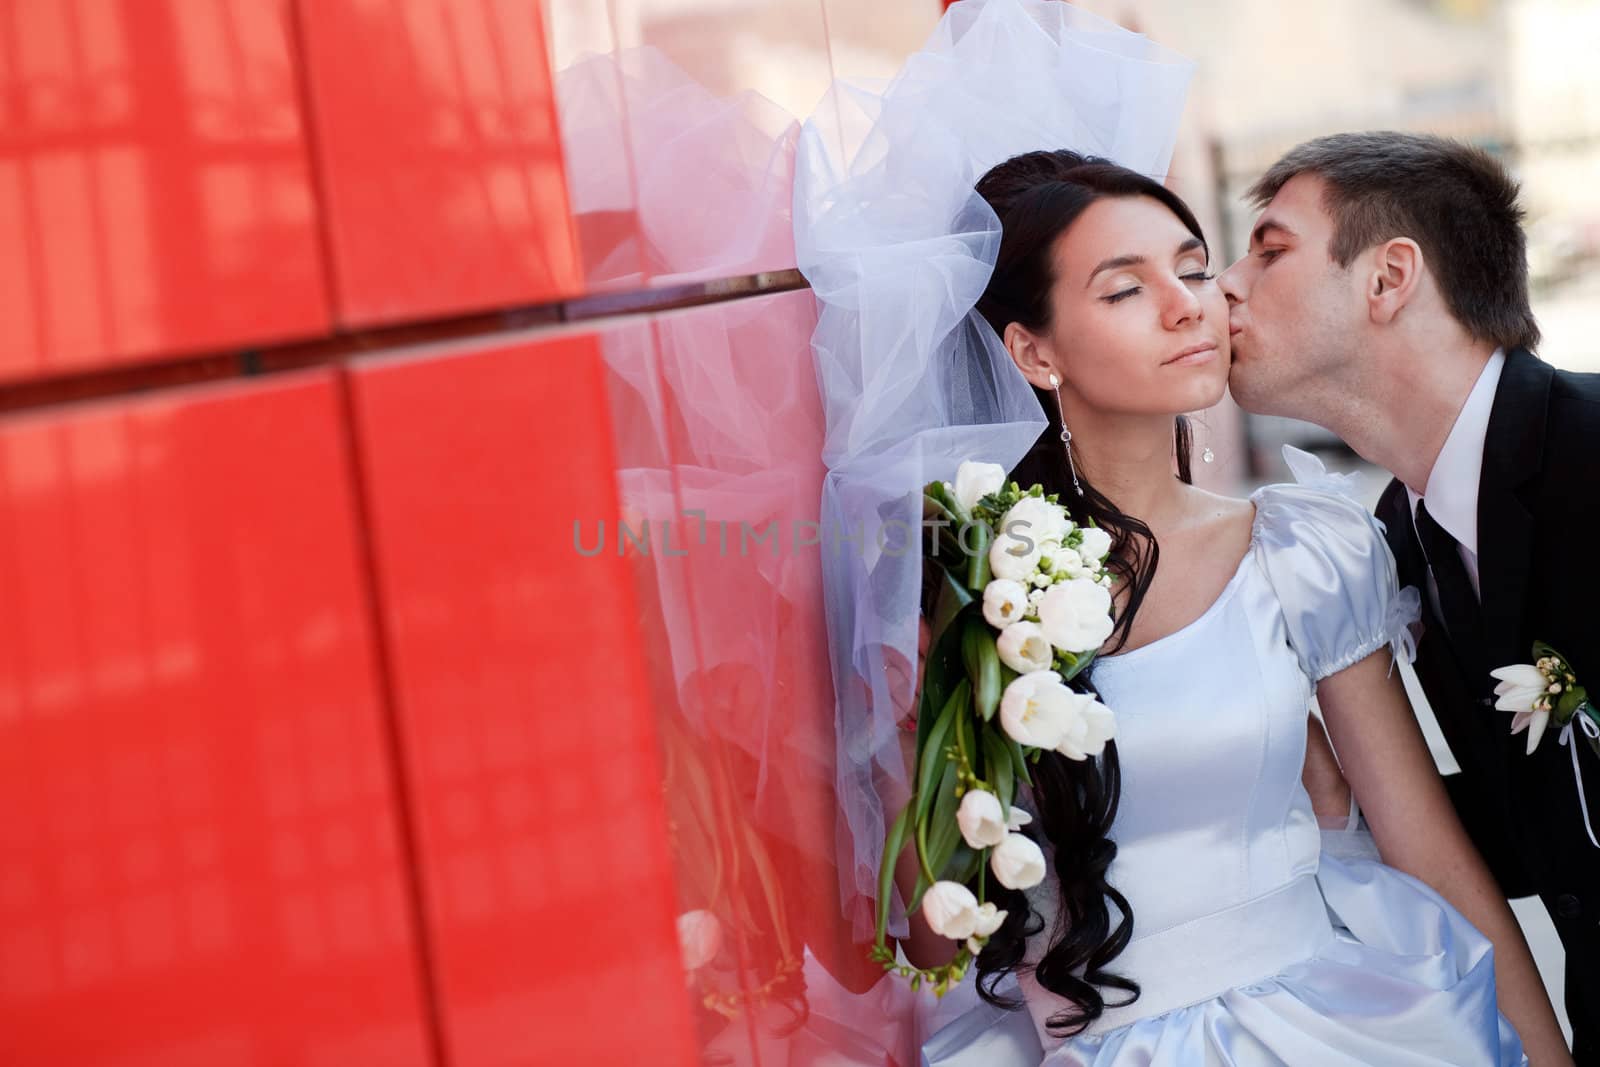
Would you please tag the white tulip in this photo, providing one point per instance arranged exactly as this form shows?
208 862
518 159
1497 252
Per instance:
1018 819
1076 615
1014 558
1023 647
1066 561
983 824
989 919
950 910
1017 863
1088 730
1096 544
1039 520
1004 602
1035 709
974 481
1523 691
699 938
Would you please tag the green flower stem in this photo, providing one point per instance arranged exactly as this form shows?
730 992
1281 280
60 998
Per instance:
963 759
922 852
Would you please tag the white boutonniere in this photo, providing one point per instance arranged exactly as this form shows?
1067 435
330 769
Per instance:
1548 689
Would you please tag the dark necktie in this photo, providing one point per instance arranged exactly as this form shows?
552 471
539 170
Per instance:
1457 602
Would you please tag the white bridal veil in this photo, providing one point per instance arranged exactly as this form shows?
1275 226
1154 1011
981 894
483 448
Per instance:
898 247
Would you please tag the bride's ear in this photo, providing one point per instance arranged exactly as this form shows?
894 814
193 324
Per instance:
1028 353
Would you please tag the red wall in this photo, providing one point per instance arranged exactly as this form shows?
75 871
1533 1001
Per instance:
319 741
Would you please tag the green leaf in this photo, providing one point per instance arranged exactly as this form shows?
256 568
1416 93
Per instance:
933 766
944 833
965 741
952 598
939 676
965 864
1019 763
916 893
892 847
1072 665
997 767
936 492
942 669
982 661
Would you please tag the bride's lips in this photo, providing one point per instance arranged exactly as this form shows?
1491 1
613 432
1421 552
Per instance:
1194 355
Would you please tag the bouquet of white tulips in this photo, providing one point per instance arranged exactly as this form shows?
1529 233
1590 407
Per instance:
1023 604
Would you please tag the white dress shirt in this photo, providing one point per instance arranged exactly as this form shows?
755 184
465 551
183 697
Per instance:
1452 489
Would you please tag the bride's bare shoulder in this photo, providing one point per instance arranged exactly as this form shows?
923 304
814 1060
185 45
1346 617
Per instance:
1220 515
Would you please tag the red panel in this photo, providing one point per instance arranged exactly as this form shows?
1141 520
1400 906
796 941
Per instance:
439 156
200 861
154 191
529 740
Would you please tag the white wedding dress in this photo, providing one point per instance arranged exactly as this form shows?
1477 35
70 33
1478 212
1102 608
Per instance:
1251 945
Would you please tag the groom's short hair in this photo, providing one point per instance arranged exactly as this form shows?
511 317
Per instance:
1456 201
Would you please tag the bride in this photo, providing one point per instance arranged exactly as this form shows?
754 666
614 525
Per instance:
1190 917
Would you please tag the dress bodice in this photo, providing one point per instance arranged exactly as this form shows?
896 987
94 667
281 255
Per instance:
1217 844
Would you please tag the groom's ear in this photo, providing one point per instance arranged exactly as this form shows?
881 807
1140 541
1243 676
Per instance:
1394 277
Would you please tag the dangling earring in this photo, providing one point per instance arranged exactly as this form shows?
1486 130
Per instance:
1207 456
1066 434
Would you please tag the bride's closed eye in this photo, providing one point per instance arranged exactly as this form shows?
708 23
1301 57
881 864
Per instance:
1192 276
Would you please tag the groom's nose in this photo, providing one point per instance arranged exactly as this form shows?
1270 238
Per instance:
1232 282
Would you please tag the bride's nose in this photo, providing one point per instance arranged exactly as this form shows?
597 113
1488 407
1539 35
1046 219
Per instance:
1182 306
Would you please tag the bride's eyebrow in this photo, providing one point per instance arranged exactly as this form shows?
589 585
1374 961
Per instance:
1114 263
1117 262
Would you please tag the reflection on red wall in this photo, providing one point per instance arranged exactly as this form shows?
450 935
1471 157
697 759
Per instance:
155 196
528 739
200 862
440 160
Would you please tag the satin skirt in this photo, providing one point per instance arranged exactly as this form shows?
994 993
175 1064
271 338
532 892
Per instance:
1404 981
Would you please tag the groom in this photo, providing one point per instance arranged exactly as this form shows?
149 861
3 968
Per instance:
1385 296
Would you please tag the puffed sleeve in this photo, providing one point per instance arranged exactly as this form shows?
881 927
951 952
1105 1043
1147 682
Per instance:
1331 569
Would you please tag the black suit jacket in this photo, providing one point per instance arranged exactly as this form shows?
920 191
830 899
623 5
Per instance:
1538 539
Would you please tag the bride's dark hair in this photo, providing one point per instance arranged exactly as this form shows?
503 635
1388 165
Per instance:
1037 197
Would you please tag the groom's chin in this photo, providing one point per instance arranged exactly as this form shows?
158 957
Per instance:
1245 388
